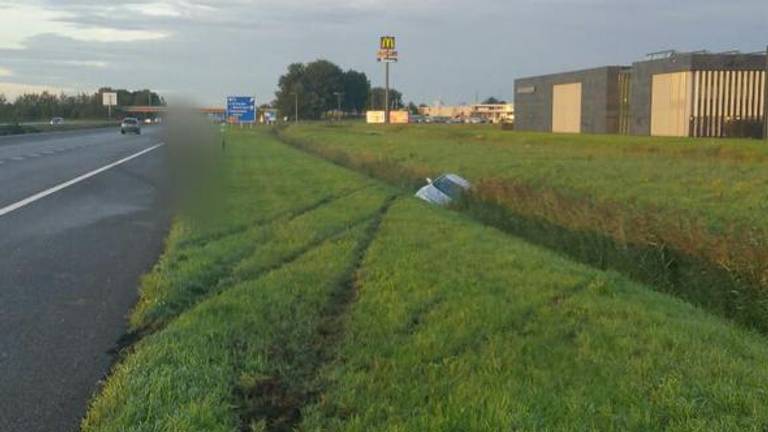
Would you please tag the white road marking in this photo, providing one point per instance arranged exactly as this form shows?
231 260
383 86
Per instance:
38 196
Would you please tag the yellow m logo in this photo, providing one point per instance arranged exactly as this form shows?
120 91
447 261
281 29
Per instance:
388 42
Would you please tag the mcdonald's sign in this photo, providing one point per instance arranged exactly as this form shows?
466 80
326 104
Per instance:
387 43
387 52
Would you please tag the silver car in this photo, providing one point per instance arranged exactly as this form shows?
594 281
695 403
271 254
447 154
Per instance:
444 190
130 125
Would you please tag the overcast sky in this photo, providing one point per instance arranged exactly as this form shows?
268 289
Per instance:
450 50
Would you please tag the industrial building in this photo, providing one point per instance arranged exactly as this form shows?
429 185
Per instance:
695 94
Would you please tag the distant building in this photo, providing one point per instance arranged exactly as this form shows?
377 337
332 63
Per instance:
494 113
671 94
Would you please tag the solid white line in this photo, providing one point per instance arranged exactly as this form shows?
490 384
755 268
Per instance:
38 196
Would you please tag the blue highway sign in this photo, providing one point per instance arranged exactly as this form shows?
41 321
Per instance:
241 109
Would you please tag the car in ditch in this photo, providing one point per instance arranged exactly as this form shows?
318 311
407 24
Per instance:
444 190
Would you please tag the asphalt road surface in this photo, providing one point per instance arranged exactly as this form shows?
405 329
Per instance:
82 216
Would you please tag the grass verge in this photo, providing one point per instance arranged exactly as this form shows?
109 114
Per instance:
335 306
682 215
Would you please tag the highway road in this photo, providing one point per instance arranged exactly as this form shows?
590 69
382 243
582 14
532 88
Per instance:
82 216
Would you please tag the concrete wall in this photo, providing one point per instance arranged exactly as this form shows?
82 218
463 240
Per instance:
643 72
599 106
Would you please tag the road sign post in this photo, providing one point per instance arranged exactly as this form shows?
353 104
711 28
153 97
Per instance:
387 54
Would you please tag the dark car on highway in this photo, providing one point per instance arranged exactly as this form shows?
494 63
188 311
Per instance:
130 125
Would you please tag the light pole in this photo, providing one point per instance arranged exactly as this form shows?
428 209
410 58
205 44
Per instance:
295 106
338 102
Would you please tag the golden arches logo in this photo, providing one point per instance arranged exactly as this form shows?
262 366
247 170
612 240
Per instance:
387 42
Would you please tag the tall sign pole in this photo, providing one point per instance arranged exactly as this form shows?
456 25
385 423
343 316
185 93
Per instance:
386 93
387 54
765 101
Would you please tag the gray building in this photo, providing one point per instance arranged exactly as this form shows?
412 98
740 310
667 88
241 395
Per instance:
697 94
586 101
671 94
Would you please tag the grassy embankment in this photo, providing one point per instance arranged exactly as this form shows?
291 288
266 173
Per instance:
685 216
318 302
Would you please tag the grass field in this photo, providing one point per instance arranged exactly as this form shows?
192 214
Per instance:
321 299
686 216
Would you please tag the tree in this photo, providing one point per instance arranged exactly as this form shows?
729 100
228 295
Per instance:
43 106
316 85
322 80
356 91
493 101
413 109
289 86
378 96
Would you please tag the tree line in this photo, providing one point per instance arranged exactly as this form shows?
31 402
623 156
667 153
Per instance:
321 87
45 105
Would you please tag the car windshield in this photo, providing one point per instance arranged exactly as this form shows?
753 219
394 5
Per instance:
130 121
448 187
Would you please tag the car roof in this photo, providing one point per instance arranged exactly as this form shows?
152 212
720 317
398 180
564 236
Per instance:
461 181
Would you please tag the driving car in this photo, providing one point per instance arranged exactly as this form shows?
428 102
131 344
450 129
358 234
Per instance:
130 124
56 121
443 191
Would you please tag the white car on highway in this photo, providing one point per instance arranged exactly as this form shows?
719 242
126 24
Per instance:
446 189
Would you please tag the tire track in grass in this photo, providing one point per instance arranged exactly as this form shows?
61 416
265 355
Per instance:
224 277
280 399
290 214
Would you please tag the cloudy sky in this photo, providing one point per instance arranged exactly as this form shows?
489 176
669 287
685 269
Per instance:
451 50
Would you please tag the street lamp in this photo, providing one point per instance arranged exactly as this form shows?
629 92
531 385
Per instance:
338 100
295 95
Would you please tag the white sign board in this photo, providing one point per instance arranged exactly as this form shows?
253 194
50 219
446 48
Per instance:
110 99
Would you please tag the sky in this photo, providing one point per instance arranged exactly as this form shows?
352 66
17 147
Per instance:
452 51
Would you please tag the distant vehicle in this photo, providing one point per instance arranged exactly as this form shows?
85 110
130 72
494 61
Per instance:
57 121
415 118
158 120
475 120
148 121
443 191
130 125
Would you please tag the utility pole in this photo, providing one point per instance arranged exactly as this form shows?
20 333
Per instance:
296 107
338 101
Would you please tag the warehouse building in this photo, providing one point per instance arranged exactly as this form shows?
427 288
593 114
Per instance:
586 101
670 94
698 95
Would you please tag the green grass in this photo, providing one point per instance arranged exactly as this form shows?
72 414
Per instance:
320 299
686 216
459 327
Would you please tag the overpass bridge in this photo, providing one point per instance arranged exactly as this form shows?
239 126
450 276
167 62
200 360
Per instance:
139 109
